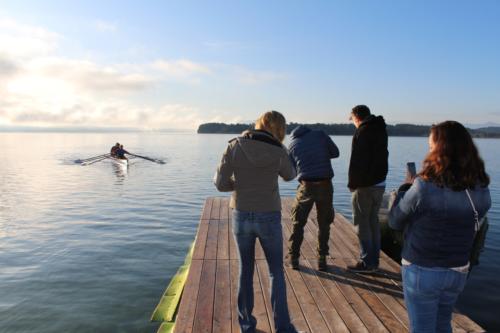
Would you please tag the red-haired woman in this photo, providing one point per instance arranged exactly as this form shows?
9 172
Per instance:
439 215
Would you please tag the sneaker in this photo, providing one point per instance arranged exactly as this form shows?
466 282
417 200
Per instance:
322 263
294 262
360 267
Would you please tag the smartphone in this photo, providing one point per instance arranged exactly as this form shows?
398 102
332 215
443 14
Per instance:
411 170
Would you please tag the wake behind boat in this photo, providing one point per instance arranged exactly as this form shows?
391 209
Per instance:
122 162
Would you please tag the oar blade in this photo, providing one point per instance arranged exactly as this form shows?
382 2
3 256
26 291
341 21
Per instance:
85 163
155 160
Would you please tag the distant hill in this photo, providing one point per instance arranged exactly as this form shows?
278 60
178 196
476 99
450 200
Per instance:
346 129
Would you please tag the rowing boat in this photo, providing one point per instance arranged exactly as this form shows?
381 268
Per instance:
122 162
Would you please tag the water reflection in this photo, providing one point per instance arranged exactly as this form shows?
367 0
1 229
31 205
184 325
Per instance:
121 172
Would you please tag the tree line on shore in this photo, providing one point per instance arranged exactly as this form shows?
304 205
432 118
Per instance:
345 129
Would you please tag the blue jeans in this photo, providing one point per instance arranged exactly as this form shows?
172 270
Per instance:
247 227
366 203
430 295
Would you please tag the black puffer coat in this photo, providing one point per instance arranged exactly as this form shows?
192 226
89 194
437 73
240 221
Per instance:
369 153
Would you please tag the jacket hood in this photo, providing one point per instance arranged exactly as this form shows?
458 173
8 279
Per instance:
374 121
260 148
299 131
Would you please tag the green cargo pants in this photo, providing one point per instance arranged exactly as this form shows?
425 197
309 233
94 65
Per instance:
308 194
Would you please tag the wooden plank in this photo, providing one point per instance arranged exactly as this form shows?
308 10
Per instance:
307 303
222 303
261 290
374 296
339 302
201 240
347 283
382 300
327 309
215 212
233 267
259 312
286 208
203 318
296 316
223 240
343 306
225 211
212 239
207 208
187 308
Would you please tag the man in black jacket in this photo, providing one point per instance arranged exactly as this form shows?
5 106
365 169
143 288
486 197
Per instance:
367 172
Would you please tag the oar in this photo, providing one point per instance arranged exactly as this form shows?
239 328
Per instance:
95 160
91 158
148 158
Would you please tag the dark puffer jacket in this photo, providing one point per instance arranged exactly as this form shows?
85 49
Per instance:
369 153
438 223
311 152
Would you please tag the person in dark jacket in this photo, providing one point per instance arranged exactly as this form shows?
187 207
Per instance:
311 152
113 150
367 172
440 214
120 153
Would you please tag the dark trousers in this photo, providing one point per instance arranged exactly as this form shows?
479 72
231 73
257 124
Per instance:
366 203
308 194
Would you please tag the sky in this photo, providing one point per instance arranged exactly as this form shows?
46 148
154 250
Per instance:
175 64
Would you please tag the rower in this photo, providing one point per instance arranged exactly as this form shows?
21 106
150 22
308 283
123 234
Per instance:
120 153
114 149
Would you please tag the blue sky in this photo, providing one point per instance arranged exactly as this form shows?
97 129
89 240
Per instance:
169 64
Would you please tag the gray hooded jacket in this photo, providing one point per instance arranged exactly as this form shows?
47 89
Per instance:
250 167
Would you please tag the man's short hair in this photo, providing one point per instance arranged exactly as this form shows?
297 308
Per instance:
361 111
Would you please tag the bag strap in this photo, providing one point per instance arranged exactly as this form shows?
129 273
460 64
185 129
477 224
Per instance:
476 214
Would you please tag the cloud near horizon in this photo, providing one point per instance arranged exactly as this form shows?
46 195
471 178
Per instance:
38 87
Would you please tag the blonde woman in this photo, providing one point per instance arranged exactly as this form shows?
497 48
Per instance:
249 169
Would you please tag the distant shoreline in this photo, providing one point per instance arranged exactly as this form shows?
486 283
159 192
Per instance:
401 130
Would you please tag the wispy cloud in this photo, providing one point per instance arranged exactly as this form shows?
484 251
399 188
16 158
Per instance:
224 45
246 76
182 69
105 26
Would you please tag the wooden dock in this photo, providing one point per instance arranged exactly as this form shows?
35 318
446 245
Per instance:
332 301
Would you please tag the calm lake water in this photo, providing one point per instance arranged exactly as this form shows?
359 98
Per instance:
92 248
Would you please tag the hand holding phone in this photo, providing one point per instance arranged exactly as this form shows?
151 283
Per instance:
411 172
